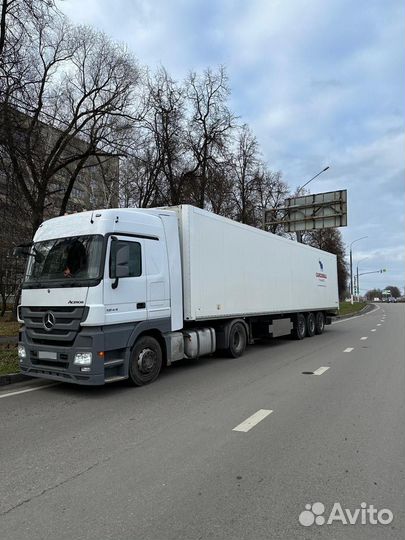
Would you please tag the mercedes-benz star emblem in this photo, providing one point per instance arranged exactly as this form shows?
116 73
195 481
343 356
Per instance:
49 320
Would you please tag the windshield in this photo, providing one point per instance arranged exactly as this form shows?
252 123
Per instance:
66 260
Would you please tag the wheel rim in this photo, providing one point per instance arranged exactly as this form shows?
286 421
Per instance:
237 340
311 324
147 361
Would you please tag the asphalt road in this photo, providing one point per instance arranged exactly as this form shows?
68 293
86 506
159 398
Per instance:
164 461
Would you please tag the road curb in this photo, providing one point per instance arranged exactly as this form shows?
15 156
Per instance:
11 378
366 309
9 340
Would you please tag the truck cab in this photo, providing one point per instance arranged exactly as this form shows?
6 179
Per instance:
95 283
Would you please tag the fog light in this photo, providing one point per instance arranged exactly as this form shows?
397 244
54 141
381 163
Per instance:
85 369
22 353
82 359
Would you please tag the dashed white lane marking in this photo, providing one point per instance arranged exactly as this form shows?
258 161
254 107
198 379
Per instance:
379 324
374 330
349 349
17 392
363 338
253 420
321 370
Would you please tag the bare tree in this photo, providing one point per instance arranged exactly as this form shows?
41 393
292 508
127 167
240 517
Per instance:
210 127
165 125
75 103
245 169
271 193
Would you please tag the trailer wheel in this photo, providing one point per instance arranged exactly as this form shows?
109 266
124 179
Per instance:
237 340
145 362
311 325
319 322
300 327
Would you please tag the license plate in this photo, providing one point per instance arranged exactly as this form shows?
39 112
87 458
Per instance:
47 355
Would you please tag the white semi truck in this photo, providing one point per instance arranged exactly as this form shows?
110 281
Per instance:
120 293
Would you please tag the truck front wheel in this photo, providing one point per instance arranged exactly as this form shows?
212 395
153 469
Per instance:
237 340
300 327
146 361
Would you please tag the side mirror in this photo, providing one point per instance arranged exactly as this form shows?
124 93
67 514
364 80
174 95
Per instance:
119 261
23 250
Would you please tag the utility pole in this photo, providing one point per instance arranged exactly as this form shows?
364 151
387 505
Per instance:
351 266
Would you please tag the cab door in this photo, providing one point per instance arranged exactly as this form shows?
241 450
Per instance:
125 297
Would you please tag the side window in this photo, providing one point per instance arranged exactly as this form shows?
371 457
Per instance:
132 253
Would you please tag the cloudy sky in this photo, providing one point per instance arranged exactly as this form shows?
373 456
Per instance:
321 82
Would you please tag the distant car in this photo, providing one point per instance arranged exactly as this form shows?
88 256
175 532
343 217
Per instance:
392 300
376 300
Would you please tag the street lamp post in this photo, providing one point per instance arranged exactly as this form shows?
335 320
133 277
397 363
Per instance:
357 288
351 266
299 233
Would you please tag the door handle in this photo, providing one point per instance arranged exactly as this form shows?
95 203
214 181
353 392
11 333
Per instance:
141 305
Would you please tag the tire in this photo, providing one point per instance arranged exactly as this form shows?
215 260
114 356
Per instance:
145 362
311 324
237 340
300 327
319 322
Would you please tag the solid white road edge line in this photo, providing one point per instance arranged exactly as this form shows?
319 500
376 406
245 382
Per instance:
321 370
9 394
250 422
349 349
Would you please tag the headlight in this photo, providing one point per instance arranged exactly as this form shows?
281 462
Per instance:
82 359
22 353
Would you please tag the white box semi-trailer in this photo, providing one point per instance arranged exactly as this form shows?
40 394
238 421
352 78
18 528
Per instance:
120 293
231 269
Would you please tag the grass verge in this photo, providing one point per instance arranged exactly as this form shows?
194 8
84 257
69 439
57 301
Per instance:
8 327
346 308
9 361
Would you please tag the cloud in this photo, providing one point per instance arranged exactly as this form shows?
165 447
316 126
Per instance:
320 83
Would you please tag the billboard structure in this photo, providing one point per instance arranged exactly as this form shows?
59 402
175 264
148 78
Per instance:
309 212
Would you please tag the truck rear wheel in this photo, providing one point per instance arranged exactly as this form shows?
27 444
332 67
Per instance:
300 327
319 322
146 361
237 340
311 325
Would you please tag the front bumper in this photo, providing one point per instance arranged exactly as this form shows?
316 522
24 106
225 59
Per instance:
55 362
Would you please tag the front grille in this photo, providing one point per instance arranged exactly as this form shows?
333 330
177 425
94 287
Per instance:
64 330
